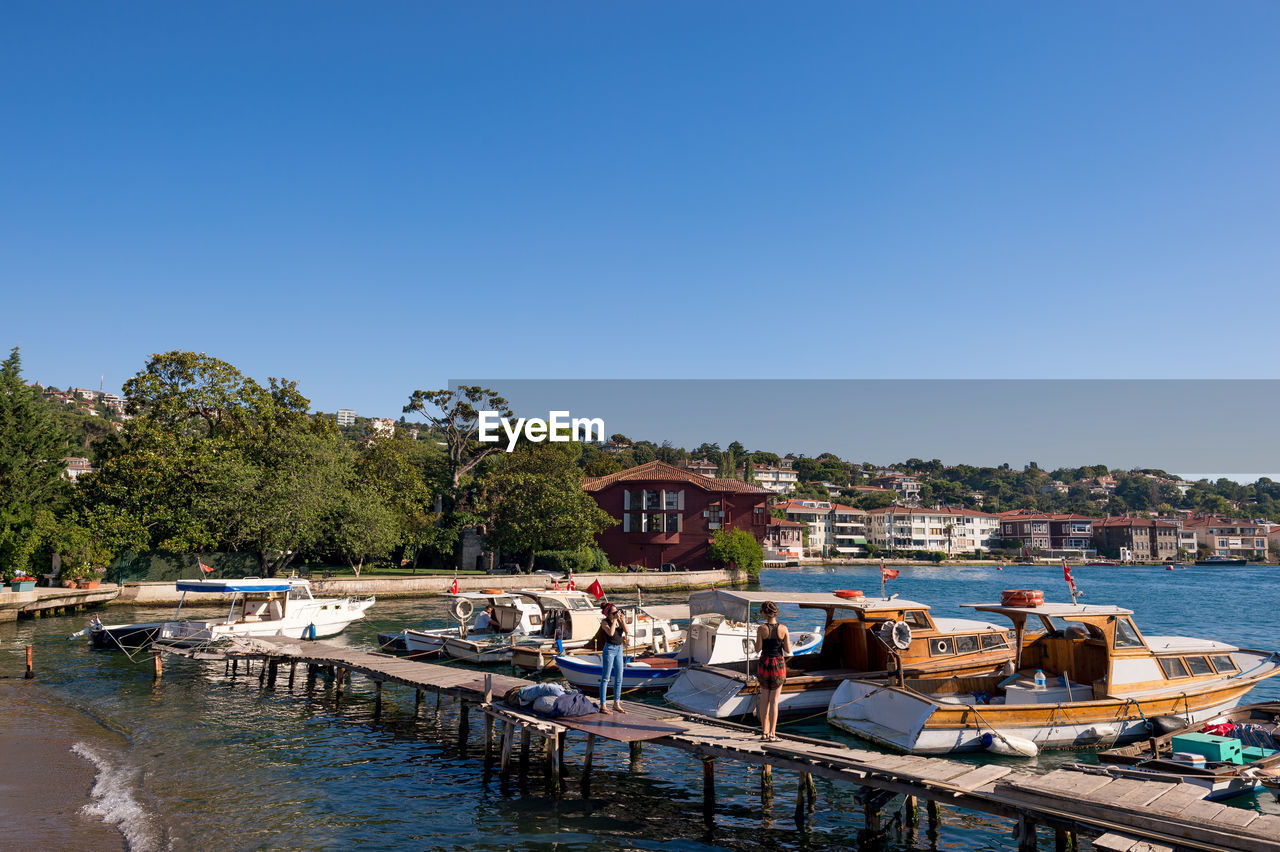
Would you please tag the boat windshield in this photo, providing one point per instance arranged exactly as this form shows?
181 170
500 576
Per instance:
1127 635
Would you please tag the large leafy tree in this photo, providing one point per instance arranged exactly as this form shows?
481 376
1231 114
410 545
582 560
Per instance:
455 416
32 446
535 501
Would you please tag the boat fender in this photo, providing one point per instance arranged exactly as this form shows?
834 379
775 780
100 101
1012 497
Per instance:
310 632
1098 732
1007 744
1168 724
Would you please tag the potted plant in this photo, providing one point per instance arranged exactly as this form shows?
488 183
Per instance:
21 582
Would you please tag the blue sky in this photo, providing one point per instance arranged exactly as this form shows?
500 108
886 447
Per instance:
372 198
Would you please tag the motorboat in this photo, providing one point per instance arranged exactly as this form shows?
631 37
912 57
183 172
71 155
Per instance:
861 636
654 671
515 615
1205 755
258 607
463 607
571 617
1222 561
1085 677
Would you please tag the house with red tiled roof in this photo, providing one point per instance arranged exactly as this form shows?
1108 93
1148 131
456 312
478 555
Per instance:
1234 537
942 529
783 541
1136 539
1054 533
834 530
668 514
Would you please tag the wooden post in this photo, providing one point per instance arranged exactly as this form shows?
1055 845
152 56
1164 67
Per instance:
159 670
417 702
524 749
935 822
234 664
292 668
488 736
1026 834
31 668
1059 840
911 810
870 814
338 676
811 789
508 734
586 763
488 689
635 750
377 700
801 812
709 790
271 674
553 761
464 724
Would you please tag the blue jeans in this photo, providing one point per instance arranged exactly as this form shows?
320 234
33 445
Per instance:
612 661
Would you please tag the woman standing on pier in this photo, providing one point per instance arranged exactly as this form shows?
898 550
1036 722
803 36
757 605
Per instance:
774 642
611 657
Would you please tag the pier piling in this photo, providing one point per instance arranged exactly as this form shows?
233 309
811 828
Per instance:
709 790
31 668
159 665
377 699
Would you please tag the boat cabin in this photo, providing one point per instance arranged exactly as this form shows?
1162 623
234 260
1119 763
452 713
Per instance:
1100 647
569 616
252 599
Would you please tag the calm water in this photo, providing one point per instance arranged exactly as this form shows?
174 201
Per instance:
204 759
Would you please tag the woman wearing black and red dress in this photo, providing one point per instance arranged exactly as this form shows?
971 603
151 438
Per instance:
774 643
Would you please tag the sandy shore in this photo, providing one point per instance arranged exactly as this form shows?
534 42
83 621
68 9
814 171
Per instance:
43 783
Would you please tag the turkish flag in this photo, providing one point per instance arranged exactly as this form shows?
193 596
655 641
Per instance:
596 589
573 587
887 573
453 587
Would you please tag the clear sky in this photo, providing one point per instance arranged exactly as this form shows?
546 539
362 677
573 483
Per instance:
376 197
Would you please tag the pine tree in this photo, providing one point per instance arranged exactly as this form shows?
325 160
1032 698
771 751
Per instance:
32 446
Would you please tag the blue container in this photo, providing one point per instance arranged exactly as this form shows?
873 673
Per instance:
1214 748
24 586
1252 753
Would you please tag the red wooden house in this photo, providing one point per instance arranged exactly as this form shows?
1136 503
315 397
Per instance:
668 514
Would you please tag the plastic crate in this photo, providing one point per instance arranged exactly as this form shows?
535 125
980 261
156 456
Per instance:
1214 748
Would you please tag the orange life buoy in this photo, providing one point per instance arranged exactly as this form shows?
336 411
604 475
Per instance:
850 593
493 591
1022 597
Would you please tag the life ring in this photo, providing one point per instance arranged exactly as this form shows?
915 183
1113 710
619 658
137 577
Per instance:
850 593
461 608
1022 597
493 591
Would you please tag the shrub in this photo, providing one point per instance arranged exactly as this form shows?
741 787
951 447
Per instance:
578 561
737 547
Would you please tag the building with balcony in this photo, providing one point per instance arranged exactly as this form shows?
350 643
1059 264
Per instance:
346 417
1136 539
779 479
668 514
1054 534
906 487
783 541
1233 537
945 530
834 530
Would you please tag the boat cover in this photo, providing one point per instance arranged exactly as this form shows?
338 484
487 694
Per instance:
738 605
223 587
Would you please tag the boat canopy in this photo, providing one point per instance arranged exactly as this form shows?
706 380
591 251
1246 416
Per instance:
669 612
225 587
1053 610
738 605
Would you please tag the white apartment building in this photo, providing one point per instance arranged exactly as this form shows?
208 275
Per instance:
779 480
945 530
346 417
834 530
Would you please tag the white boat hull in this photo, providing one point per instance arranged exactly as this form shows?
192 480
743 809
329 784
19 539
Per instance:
721 696
325 618
427 641
890 717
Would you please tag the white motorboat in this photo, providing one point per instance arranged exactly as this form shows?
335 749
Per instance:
515 615
432 640
258 607
571 620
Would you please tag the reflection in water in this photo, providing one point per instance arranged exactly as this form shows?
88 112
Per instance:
225 761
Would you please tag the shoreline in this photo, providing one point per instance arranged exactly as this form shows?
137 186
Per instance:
47 787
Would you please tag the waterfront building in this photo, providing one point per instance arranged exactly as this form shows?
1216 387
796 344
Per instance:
783 541
779 479
1136 539
1055 534
946 530
834 530
1233 537
668 514
346 417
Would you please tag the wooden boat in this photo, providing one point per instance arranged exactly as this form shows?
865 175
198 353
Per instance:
851 646
512 614
574 619
516 615
1107 681
1159 757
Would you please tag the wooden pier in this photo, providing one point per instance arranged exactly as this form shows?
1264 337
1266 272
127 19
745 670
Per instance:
53 601
1130 815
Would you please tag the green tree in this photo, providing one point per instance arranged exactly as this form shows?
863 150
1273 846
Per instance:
738 548
535 501
455 415
364 527
32 490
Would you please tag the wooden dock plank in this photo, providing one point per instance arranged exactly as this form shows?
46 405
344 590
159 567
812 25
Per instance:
1177 798
977 777
1237 817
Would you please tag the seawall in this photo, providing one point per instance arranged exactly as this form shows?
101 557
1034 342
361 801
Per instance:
428 586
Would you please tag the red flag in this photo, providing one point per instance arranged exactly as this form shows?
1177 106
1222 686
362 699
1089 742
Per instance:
453 587
887 573
1066 575
596 589
207 569
573 587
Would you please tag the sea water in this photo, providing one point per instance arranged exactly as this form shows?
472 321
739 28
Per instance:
203 759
